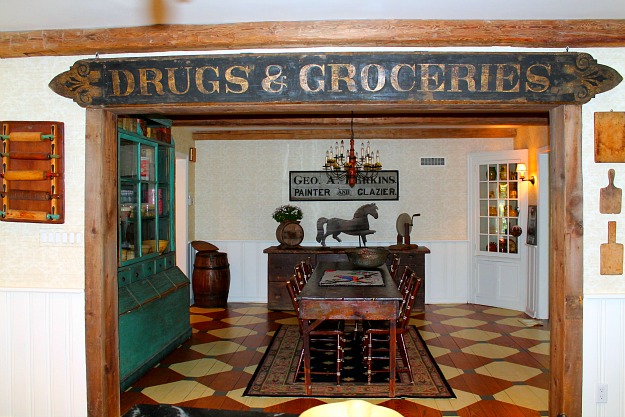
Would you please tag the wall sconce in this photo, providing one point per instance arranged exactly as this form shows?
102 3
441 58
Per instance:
192 154
521 169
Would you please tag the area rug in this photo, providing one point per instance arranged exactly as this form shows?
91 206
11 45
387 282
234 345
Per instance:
274 376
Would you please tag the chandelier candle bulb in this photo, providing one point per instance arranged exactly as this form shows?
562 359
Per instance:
351 167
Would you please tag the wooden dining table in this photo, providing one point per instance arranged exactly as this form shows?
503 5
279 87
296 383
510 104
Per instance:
348 302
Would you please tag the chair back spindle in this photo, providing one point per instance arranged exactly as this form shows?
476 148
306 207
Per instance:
403 280
409 300
300 278
394 267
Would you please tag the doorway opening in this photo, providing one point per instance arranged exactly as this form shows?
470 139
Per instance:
101 241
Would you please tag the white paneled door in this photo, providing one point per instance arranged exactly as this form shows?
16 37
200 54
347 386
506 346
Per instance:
497 209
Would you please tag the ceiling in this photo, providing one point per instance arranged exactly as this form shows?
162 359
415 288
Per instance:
28 15
374 125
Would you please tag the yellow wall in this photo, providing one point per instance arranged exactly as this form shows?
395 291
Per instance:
595 177
246 181
29 258
240 183
184 140
532 138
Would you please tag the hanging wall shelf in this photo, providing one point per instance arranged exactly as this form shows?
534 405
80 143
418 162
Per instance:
32 172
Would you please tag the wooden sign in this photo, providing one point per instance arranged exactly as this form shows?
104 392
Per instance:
557 78
318 186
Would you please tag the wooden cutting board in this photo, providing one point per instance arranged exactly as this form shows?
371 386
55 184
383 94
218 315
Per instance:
610 197
611 253
610 136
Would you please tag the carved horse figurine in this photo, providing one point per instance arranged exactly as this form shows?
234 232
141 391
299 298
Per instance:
358 226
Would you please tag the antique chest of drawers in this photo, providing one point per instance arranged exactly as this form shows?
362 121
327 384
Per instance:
281 264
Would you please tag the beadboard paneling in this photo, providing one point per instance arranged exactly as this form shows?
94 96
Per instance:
42 353
446 269
532 281
604 354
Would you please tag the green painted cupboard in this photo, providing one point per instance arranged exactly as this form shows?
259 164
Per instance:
153 293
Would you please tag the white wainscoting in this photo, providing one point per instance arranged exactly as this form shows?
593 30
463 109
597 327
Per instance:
42 353
447 272
531 308
604 354
445 269
248 268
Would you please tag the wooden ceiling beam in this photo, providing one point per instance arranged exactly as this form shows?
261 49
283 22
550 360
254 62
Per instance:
370 133
414 121
302 34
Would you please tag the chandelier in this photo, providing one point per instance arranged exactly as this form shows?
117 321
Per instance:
351 167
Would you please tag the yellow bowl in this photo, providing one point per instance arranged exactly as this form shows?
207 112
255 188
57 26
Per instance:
149 246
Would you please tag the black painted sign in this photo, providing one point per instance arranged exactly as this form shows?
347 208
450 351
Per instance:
319 186
345 77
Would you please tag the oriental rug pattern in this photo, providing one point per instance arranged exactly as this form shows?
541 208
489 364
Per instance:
274 376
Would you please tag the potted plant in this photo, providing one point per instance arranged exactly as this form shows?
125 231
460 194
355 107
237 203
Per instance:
289 232
287 212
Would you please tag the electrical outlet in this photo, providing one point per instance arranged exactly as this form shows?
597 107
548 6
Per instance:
602 393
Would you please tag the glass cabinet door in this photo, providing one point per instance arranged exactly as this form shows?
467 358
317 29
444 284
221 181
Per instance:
145 203
164 192
499 207
130 208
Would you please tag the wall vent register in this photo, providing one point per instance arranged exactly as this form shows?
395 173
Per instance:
432 161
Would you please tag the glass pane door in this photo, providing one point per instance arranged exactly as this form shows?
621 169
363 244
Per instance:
498 207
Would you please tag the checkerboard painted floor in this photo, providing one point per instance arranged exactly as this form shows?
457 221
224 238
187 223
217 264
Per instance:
496 365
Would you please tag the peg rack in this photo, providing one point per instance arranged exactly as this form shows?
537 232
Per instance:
32 172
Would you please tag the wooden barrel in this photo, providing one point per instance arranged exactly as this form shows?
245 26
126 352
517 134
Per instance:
211 279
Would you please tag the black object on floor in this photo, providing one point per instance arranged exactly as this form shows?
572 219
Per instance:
164 410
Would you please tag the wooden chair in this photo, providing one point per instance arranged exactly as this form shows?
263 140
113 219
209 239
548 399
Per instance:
394 267
303 271
299 276
403 280
377 333
393 271
308 268
328 332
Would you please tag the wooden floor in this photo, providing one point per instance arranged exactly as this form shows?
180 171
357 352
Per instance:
496 364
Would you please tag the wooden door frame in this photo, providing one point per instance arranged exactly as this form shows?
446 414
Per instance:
566 263
566 289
